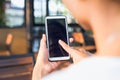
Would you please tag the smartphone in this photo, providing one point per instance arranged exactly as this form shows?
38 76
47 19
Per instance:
56 29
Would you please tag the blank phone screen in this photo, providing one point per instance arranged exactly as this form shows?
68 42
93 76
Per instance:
56 31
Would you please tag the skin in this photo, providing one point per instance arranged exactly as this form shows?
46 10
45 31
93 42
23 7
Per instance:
100 16
43 66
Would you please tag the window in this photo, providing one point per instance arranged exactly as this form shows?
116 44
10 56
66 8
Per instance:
54 7
43 8
12 13
39 11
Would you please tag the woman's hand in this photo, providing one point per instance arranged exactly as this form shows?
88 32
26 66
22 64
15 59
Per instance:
43 66
76 55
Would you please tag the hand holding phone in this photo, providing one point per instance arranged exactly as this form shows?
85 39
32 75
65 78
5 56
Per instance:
56 29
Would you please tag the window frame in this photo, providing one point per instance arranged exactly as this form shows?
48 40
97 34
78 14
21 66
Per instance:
47 14
22 25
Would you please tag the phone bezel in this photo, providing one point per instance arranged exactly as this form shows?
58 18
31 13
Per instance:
56 58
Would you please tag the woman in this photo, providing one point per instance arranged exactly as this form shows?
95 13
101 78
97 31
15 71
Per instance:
102 17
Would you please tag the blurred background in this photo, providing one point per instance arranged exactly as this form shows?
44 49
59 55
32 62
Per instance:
22 23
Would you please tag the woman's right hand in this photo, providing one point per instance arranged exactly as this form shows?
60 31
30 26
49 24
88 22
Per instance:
76 55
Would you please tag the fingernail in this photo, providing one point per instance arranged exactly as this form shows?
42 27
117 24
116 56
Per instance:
59 40
43 35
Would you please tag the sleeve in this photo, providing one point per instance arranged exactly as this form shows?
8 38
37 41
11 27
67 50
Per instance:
73 72
58 75
89 69
77 71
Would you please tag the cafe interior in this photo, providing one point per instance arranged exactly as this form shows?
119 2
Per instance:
22 23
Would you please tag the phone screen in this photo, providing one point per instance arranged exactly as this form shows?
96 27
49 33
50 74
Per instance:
56 31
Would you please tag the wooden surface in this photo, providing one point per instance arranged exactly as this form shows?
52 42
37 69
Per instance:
85 47
19 68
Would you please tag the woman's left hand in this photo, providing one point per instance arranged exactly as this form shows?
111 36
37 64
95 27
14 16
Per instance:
43 66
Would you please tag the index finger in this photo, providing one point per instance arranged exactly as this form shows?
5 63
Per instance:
67 48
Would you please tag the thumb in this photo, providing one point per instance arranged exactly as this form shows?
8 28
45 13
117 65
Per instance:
43 42
43 48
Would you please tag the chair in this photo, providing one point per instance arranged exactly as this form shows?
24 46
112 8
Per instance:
16 67
78 38
6 44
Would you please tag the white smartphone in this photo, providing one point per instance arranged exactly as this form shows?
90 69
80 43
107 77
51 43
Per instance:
56 29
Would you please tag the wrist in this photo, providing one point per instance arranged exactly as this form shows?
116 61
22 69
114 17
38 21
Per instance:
38 72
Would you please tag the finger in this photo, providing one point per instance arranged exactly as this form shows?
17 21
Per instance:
67 48
71 40
43 42
48 68
56 64
53 66
64 45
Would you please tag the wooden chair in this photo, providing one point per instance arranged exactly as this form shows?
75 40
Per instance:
6 44
78 36
16 67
